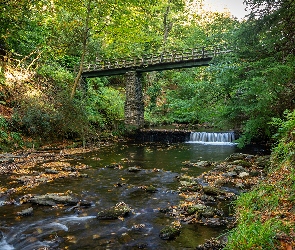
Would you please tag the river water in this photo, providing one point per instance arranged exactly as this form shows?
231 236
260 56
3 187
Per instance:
70 228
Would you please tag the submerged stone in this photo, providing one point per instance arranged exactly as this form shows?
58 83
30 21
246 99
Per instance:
151 189
26 212
169 233
119 210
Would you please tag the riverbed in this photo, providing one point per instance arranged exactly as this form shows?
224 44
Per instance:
106 181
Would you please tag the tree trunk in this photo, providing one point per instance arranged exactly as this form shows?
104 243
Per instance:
167 26
85 39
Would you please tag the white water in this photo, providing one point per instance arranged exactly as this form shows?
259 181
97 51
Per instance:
19 237
224 138
4 245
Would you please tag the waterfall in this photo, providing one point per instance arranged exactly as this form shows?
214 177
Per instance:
212 138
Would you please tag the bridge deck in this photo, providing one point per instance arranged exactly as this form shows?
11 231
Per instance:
164 61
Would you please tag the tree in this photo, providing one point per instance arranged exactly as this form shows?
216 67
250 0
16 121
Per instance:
84 47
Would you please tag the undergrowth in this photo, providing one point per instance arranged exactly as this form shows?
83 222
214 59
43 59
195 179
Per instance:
266 215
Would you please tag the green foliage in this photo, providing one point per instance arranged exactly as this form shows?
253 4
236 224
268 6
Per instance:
253 234
285 149
261 212
2 76
254 93
253 231
9 139
104 106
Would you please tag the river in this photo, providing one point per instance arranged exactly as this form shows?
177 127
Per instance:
70 228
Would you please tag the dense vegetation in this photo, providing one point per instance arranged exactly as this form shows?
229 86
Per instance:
43 43
251 90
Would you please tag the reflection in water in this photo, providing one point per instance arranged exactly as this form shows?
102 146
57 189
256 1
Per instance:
70 228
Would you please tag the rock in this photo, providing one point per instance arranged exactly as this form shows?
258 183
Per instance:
214 222
190 188
125 238
254 173
6 160
203 211
207 198
69 169
212 244
189 184
83 175
239 169
243 174
240 185
119 210
26 212
263 161
209 190
114 166
138 227
85 203
51 171
25 179
243 163
151 189
198 208
236 156
203 164
230 174
134 169
51 199
169 233
200 164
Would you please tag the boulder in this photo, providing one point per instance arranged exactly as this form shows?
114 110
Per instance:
169 232
236 157
209 190
119 210
203 211
51 199
212 244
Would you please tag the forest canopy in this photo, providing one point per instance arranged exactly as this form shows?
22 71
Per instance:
44 44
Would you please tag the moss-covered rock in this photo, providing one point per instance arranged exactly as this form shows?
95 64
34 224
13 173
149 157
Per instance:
209 190
151 189
119 210
169 232
26 212
51 199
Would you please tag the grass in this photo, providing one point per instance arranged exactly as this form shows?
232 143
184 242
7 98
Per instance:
265 216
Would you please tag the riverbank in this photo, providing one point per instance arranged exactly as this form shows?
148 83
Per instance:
266 215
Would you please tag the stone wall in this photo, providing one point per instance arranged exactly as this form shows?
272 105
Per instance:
134 106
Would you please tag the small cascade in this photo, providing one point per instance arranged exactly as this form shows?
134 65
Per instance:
214 137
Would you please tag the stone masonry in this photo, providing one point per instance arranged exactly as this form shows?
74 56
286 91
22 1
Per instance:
134 106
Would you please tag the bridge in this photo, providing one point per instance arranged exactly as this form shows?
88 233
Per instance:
133 67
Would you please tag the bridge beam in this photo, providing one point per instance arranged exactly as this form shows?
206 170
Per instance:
134 106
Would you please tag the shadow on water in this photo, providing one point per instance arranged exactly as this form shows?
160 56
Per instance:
71 228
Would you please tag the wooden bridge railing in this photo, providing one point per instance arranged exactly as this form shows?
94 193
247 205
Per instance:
153 59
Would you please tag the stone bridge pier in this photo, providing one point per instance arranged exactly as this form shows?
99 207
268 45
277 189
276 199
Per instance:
134 105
